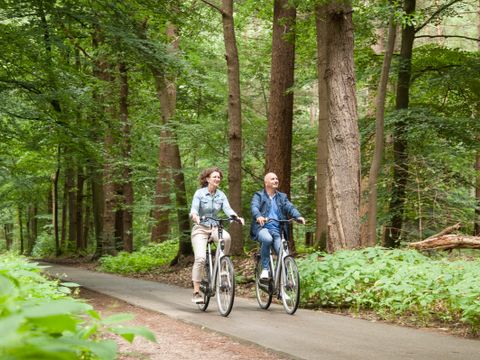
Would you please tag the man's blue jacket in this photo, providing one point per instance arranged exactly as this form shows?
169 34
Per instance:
260 206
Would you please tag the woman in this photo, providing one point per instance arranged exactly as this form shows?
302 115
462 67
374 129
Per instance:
207 201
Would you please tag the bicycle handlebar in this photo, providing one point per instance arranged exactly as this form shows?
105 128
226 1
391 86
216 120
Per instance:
221 220
283 221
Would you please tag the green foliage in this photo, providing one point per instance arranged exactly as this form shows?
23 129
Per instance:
144 260
39 320
394 283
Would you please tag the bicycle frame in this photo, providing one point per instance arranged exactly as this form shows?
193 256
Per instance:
279 267
213 268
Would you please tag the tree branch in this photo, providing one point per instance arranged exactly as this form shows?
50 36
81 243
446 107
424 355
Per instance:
446 6
446 36
215 7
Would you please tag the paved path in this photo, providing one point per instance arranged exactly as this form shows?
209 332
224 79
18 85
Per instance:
305 335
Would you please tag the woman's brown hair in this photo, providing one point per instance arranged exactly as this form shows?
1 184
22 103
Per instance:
206 173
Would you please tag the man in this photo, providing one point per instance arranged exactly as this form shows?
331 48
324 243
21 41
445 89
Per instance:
273 204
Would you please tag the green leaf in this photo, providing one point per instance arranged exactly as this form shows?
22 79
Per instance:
56 307
56 323
8 328
128 333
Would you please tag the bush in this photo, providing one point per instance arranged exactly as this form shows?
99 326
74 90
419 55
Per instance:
394 283
144 260
39 320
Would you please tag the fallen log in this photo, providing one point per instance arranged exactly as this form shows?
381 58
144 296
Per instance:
450 241
445 231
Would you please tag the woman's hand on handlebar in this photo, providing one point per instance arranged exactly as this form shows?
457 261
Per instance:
238 219
196 219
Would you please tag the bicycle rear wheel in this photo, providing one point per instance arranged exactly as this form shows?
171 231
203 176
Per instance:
290 285
225 286
205 288
263 289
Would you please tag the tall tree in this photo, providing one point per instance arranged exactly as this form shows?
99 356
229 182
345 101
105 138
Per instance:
235 123
280 109
322 148
343 193
234 119
477 162
400 170
169 150
127 182
167 95
379 133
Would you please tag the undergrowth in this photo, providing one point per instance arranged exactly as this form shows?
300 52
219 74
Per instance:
394 283
40 320
144 260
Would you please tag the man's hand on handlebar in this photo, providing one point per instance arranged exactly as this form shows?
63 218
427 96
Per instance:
261 220
300 220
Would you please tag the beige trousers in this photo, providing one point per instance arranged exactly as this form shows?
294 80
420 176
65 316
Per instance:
200 236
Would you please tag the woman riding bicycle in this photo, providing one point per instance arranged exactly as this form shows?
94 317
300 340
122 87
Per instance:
207 201
273 204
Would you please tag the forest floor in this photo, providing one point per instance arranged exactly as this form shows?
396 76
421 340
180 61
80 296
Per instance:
178 340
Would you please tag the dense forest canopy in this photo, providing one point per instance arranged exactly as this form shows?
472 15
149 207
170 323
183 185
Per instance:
94 93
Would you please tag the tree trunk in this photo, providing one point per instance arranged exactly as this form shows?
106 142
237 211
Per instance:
343 194
166 91
64 215
20 230
109 192
80 244
476 230
379 134
87 217
72 208
8 235
185 245
400 156
32 225
235 124
322 148
167 95
127 218
55 209
310 235
94 168
280 110
102 71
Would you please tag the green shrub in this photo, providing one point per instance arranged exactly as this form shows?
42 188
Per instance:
44 244
39 320
144 260
394 283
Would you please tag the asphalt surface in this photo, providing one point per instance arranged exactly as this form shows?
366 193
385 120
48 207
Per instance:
305 335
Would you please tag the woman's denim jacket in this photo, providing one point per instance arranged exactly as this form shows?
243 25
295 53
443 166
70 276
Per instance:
260 206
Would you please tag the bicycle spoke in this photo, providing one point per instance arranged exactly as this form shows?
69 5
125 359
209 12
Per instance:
290 286
225 287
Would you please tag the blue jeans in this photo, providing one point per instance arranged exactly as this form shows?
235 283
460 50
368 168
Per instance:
267 238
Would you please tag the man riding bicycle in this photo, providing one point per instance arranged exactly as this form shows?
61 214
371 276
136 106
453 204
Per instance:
273 204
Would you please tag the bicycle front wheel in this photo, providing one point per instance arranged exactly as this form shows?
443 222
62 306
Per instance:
263 288
225 286
290 285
